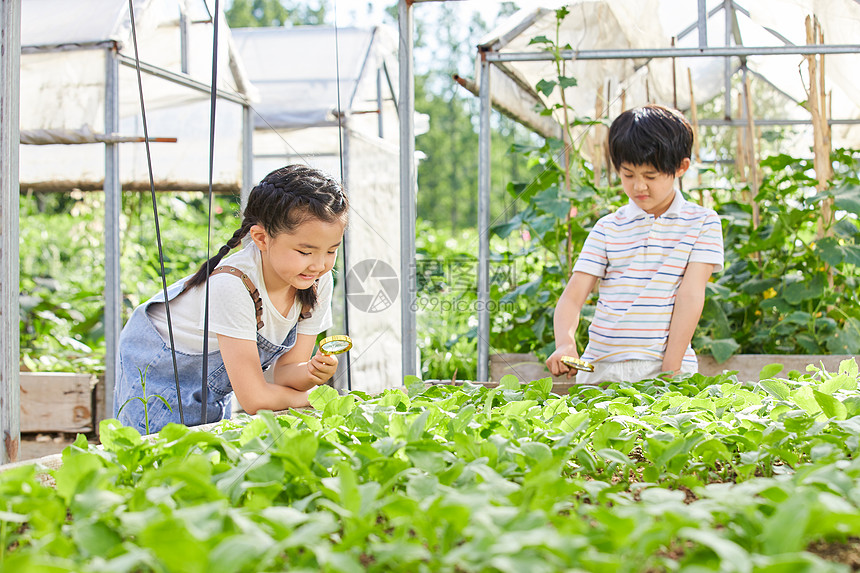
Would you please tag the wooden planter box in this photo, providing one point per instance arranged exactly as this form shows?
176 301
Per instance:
526 367
57 402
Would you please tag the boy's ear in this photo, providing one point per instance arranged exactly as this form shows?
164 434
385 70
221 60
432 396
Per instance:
685 164
260 237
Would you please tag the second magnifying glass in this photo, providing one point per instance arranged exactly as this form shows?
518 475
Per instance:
577 364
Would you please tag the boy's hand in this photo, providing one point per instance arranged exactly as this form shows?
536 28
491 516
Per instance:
556 366
322 367
671 369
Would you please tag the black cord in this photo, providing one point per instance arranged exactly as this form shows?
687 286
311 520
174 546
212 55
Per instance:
340 158
155 212
204 387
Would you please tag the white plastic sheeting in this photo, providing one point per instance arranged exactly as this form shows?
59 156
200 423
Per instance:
63 88
651 24
299 73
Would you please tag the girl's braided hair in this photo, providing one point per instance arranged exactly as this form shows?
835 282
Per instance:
283 200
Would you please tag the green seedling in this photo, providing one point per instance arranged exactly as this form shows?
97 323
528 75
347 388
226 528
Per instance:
144 400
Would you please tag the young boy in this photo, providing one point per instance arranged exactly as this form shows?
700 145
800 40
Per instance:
653 258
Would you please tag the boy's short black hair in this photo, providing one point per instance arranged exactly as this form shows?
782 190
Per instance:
651 135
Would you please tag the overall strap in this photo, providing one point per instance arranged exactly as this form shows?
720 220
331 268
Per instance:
252 290
255 294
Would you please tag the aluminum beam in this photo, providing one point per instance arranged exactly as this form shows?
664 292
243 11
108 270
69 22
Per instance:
113 207
10 74
484 226
180 79
408 190
716 52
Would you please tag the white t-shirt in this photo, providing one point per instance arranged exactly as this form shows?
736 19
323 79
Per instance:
231 309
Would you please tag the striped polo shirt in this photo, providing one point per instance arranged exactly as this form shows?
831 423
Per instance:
640 260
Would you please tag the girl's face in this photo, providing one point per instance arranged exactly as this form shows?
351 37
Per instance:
297 259
649 189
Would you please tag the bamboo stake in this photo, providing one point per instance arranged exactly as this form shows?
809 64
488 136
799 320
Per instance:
697 157
821 141
818 108
607 159
597 140
740 163
751 149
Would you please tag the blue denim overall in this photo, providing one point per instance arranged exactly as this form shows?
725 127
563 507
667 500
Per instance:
141 349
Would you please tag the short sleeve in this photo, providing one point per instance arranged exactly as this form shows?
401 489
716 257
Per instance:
592 259
708 247
320 319
231 309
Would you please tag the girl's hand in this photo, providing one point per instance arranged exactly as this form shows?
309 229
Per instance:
322 367
556 366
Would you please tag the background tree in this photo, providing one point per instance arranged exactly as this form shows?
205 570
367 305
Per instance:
445 44
260 13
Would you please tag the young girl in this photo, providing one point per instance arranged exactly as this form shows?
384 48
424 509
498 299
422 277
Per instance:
267 303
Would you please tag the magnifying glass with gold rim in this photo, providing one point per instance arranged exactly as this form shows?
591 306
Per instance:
577 364
336 344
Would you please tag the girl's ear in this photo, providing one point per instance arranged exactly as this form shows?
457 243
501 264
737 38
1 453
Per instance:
260 237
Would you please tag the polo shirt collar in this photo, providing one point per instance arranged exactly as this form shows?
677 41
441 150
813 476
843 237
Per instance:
635 212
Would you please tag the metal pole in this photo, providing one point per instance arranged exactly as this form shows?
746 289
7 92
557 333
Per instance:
703 24
484 225
408 190
247 155
718 52
727 69
10 343
113 203
183 37
380 124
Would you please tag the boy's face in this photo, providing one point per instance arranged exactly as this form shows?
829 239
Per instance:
649 189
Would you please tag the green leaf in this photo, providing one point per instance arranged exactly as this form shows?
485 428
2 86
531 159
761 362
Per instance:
320 396
723 349
417 427
573 422
414 385
539 389
509 382
76 473
602 437
567 81
95 539
846 340
837 382
770 371
805 398
539 40
730 553
546 86
846 197
834 251
849 366
775 388
831 407
615 456
800 291
239 552
784 530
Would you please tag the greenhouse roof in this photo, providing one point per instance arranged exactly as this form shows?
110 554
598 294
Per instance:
599 31
298 71
65 90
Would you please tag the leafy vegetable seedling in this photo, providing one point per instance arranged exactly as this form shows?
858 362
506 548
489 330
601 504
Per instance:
145 400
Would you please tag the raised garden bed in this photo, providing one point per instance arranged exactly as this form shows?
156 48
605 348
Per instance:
527 367
705 474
